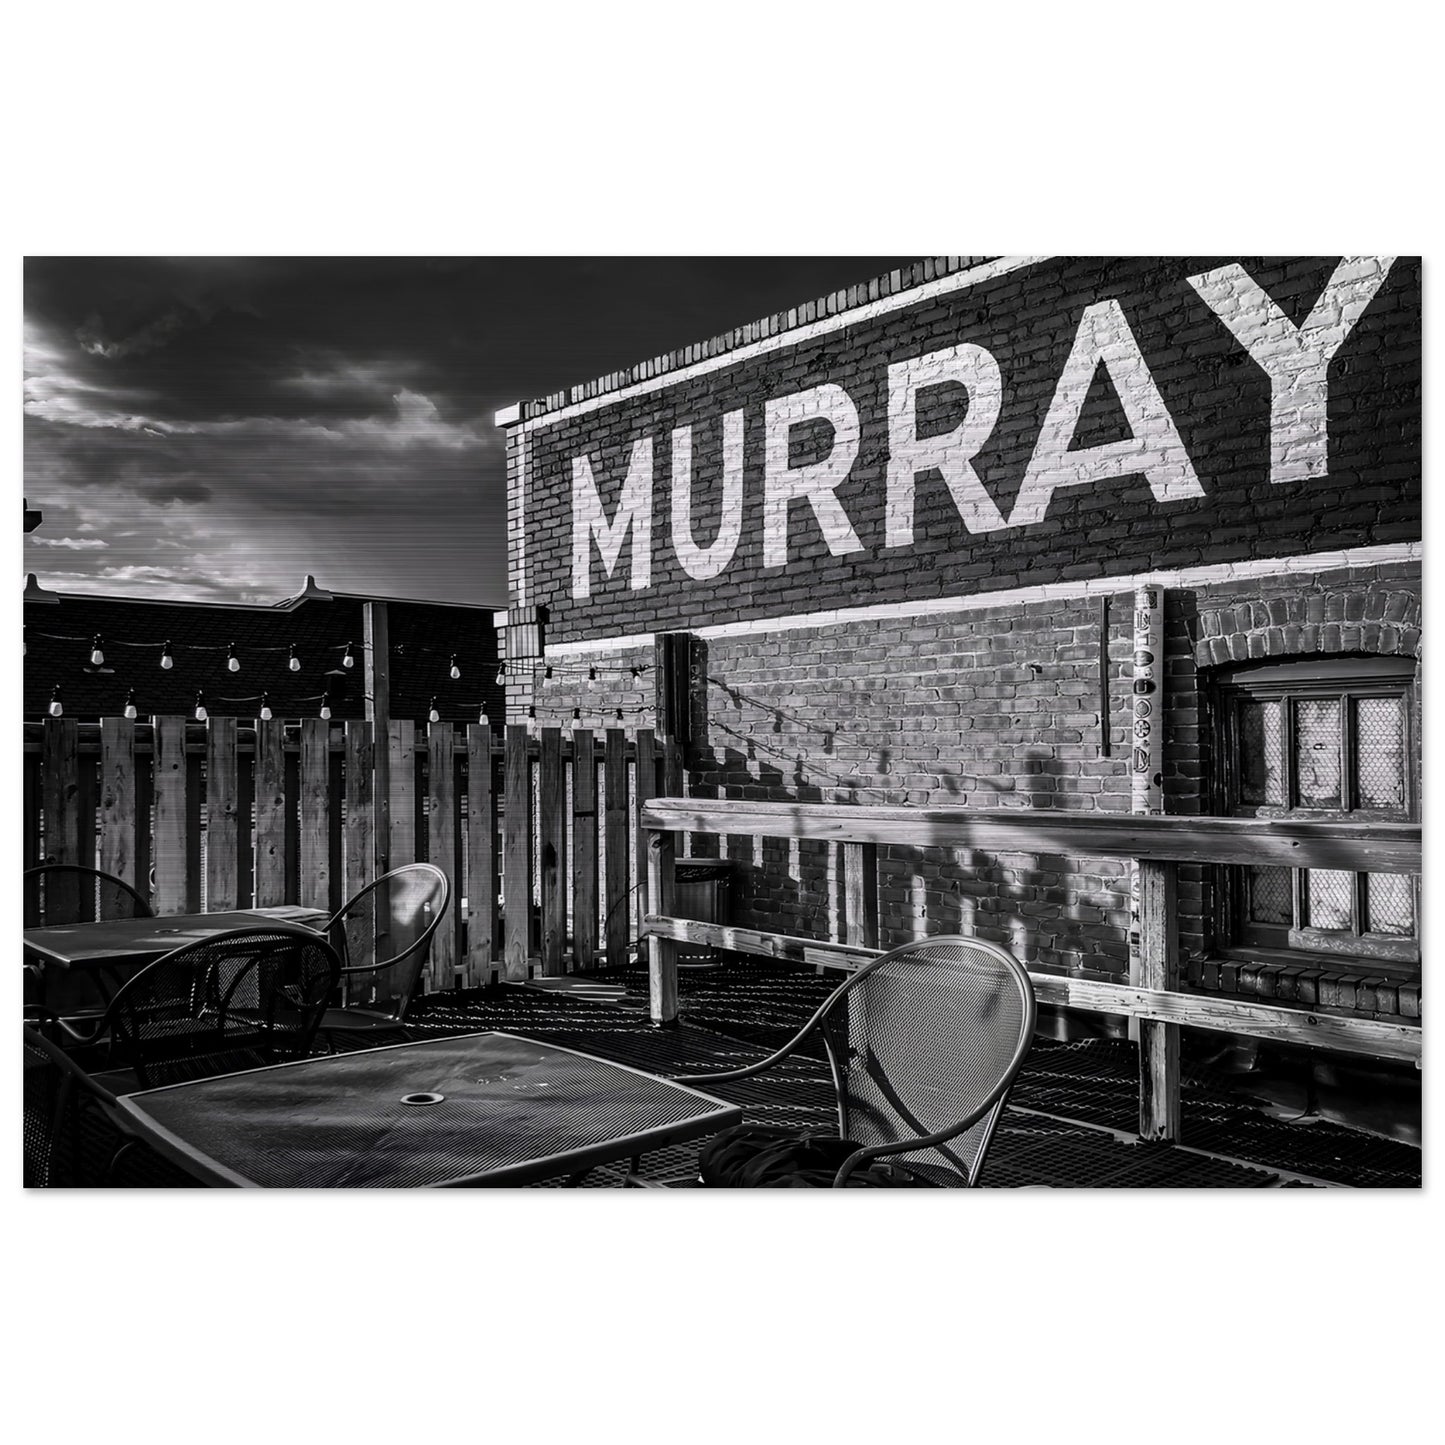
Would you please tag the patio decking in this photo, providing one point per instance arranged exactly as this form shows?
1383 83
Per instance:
1070 1122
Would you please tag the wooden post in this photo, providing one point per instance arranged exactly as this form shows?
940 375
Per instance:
662 952
646 790
222 865
359 862
441 850
617 840
1158 1042
270 813
481 883
860 895
516 856
314 889
552 811
376 640
117 801
30 842
584 849
171 786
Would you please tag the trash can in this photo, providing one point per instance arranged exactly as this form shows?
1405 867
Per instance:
703 892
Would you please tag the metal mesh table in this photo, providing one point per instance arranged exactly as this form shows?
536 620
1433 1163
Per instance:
510 1111
118 941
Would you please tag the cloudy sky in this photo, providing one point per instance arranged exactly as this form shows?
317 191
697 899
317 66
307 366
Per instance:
209 428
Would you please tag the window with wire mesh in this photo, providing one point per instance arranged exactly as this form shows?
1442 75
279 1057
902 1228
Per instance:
1318 739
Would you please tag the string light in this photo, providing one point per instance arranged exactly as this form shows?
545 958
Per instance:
433 715
635 671
201 713
456 672
57 708
501 674
97 657
348 660
592 674
326 705
547 672
619 714
265 707
167 661
130 709
293 662
482 719
233 663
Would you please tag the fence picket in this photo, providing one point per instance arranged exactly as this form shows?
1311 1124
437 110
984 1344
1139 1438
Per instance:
360 864
584 850
172 794
60 798
481 880
270 813
442 851
516 854
118 799
222 864
314 878
618 845
401 749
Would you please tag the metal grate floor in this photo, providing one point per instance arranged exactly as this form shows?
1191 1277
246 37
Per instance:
733 1014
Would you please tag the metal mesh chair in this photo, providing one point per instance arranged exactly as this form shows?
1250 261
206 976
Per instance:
71 1133
60 893
398 916
936 1032
239 1000
56 894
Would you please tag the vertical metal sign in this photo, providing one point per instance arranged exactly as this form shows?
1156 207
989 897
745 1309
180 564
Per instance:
1146 740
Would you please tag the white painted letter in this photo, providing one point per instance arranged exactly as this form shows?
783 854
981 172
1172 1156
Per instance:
1154 447
704 562
817 481
634 510
951 452
1296 360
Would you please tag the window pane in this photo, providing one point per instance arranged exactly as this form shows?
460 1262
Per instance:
1261 771
1317 752
1331 898
1271 895
1392 904
1380 751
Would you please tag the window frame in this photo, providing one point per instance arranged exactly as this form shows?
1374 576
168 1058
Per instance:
1348 680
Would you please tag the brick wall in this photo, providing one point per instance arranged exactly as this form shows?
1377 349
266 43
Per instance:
910 687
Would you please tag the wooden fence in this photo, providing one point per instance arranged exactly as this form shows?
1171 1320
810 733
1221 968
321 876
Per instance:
1158 843
538 835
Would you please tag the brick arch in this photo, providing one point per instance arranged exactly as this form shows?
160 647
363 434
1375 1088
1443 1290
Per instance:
1323 622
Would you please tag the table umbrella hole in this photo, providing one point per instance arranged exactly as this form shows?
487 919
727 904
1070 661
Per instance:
422 1098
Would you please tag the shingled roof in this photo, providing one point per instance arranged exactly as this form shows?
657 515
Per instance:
59 628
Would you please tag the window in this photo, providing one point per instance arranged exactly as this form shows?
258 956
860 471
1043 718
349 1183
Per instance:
1318 739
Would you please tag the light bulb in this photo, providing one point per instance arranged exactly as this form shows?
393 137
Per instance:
456 672
501 676
167 661
592 674
547 672
265 707
97 657
348 660
433 715
325 705
482 719
233 663
201 713
56 708
294 662
619 714
130 710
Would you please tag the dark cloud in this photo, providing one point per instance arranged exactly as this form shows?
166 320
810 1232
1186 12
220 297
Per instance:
333 415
